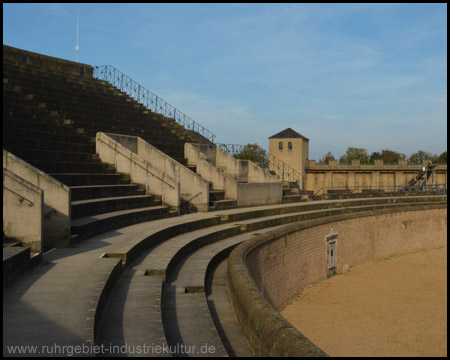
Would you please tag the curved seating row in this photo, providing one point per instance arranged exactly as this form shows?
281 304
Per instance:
124 287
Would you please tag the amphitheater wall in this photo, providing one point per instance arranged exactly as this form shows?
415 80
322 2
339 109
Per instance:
277 266
284 267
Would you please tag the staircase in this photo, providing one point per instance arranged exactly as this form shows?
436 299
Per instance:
293 193
217 199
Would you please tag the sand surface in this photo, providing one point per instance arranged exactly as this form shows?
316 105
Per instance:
391 307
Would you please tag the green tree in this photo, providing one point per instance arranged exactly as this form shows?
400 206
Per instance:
354 154
253 153
388 156
326 158
442 159
418 157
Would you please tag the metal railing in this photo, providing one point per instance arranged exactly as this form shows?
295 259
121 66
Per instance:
271 162
441 188
145 97
22 198
232 149
286 172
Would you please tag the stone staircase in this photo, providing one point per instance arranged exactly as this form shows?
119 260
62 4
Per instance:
217 199
293 193
50 120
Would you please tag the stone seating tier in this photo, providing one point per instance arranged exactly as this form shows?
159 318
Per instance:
37 132
89 100
162 296
97 93
32 117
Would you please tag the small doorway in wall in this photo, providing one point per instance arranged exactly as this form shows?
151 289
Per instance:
331 241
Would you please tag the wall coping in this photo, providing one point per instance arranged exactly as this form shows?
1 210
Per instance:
378 166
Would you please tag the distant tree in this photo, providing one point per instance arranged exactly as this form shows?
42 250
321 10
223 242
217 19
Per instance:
326 158
418 157
442 159
253 153
354 154
388 156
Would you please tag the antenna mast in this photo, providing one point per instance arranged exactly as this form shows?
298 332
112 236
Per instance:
77 47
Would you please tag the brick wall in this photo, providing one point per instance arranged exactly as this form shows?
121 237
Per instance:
283 267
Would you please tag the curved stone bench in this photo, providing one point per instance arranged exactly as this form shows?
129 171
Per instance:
185 304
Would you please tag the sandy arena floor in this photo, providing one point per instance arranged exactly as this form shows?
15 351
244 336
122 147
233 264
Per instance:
391 307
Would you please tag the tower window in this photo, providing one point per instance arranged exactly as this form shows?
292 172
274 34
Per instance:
280 145
290 145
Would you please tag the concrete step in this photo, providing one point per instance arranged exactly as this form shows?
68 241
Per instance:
289 184
293 198
291 191
222 205
87 227
222 312
45 136
31 155
22 122
216 195
73 167
127 326
72 179
83 208
105 191
52 145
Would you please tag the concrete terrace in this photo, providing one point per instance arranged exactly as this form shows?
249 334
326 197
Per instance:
105 292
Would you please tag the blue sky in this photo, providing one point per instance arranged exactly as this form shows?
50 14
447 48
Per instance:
360 75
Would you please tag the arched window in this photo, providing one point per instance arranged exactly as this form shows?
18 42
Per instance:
290 145
280 145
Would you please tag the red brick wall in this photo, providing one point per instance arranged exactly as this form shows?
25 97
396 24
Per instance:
283 267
